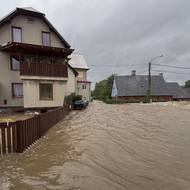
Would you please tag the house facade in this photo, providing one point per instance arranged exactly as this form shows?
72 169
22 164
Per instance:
34 71
83 86
134 87
72 81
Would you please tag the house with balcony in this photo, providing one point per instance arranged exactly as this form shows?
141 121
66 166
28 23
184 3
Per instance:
34 70
83 85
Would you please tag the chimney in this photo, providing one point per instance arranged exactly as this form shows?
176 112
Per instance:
133 73
161 74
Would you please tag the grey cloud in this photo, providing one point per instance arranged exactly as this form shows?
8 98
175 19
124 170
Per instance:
121 32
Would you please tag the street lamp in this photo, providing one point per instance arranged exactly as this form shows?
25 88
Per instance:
149 77
157 57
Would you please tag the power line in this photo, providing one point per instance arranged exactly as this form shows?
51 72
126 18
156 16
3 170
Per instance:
122 65
171 72
119 65
142 71
171 66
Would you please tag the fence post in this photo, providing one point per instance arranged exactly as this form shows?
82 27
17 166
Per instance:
3 140
19 148
9 138
40 126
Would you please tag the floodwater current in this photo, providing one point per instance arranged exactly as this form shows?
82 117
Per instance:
107 147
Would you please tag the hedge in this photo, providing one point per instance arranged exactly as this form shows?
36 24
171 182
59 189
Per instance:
120 101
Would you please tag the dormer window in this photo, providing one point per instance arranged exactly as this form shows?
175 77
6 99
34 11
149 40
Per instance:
16 34
46 38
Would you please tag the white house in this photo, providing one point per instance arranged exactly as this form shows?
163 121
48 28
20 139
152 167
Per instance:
34 71
83 86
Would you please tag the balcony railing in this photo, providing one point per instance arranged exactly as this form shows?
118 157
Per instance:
44 70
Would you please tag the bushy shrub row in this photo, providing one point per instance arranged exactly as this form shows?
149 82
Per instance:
120 101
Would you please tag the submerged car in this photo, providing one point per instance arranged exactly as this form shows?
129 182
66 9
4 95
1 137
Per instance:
80 104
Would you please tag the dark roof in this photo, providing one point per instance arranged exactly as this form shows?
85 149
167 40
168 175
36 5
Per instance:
176 91
137 85
187 92
32 12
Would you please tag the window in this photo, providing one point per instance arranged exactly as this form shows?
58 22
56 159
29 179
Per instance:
45 38
15 63
84 86
17 90
16 34
46 91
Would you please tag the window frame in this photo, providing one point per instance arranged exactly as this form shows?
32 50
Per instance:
13 93
84 86
44 32
12 33
11 63
40 92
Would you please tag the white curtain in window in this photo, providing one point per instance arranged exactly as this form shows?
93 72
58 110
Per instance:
17 36
15 64
18 90
46 39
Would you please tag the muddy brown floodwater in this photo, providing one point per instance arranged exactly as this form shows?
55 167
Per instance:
107 147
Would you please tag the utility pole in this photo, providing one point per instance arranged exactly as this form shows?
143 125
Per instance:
148 98
149 83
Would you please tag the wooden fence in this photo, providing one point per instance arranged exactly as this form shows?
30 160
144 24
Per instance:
16 137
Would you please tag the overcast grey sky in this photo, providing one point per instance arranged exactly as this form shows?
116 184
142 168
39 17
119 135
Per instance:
121 32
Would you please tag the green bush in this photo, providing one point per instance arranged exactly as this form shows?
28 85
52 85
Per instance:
76 98
120 101
134 101
68 99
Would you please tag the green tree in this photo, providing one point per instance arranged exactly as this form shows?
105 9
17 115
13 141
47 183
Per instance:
187 84
103 88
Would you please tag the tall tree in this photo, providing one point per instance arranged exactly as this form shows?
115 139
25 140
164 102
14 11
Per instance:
103 88
187 84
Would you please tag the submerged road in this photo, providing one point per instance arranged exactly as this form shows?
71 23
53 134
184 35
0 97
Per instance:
107 147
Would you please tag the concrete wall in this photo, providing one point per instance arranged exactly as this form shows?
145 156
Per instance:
82 74
31 31
32 94
71 83
7 77
85 93
5 34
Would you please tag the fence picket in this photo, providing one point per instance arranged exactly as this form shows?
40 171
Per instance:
3 140
14 139
9 139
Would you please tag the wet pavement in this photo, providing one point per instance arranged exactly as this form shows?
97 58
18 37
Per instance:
135 147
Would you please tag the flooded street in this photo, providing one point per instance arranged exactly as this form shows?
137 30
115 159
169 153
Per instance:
135 147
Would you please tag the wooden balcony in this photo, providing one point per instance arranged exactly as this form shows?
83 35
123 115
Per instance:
44 70
32 49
